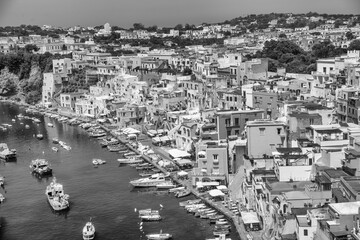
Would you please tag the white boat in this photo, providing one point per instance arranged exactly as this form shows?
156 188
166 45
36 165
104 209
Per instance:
176 189
88 231
221 237
148 211
183 193
55 140
63 144
151 181
129 160
36 120
55 149
27 126
2 181
153 217
96 161
50 125
41 167
2 198
221 221
159 236
166 185
6 153
39 136
56 197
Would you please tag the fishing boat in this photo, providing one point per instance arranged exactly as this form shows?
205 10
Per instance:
129 160
183 193
39 136
96 161
50 125
56 197
88 231
2 181
176 189
166 185
151 217
220 237
55 149
55 140
151 181
159 236
148 211
40 167
6 153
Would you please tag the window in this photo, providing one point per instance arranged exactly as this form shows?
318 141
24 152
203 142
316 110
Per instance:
215 156
236 121
279 131
262 131
235 99
305 232
237 132
311 121
324 69
227 98
227 121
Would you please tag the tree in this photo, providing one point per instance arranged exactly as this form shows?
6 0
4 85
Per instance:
282 35
31 47
138 26
349 35
354 45
178 27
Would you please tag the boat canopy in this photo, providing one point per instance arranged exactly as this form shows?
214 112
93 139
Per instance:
250 217
216 193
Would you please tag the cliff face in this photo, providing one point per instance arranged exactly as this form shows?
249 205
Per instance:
25 90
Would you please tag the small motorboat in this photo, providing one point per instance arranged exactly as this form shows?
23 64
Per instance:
221 221
176 189
2 198
27 126
151 217
55 140
147 212
165 185
183 193
55 149
50 125
2 181
159 236
96 161
88 231
39 136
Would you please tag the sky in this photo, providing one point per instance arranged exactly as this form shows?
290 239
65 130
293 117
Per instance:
163 13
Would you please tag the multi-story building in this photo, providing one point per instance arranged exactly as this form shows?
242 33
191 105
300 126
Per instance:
68 100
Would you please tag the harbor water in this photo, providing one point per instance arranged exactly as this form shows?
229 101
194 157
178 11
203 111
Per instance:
102 193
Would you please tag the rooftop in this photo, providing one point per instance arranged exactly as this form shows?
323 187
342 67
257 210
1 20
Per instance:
335 173
346 208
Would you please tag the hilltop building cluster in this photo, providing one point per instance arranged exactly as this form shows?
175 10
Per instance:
285 144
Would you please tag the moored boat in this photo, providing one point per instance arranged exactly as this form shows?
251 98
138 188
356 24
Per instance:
27 126
151 217
159 236
151 181
183 193
2 198
40 167
55 140
88 231
148 211
39 136
56 197
129 160
6 153
55 149
166 185
50 125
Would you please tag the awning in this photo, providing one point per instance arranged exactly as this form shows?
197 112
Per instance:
176 153
216 193
222 187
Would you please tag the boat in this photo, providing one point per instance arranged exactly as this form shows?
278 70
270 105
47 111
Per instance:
39 136
55 140
166 185
221 232
129 154
151 217
55 149
117 148
2 198
189 202
36 120
176 189
50 125
56 197
40 167
96 161
151 181
129 160
183 193
63 144
145 174
220 237
2 181
27 126
148 211
221 221
6 153
88 231
159 236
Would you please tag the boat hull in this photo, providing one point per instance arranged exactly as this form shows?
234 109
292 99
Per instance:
56 207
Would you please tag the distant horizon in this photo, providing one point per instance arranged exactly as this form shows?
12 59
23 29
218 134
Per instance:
162 13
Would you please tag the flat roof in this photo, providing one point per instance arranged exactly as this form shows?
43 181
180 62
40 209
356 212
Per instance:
302 220
354 183
335 173
346 208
